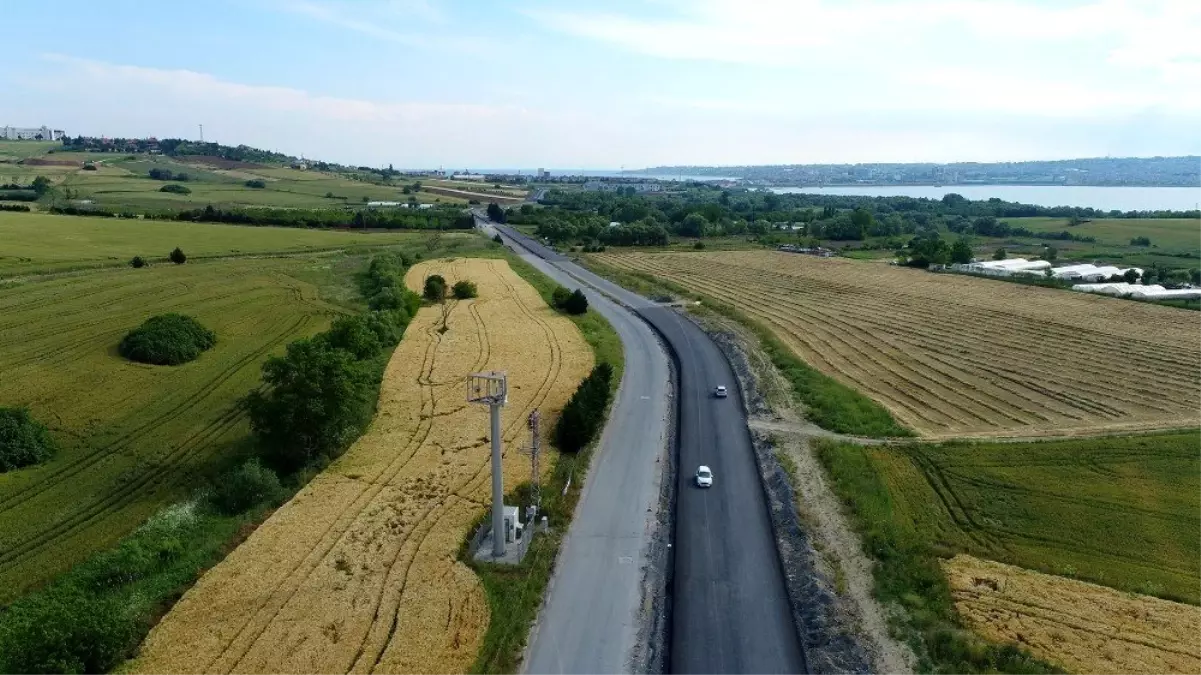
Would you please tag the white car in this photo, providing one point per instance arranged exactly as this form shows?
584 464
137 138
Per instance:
720 391
704 477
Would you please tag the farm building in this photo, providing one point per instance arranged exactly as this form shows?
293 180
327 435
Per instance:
1005 268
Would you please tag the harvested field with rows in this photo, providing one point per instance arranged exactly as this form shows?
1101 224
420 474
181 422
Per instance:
358 573
950 355
134 437
1083 627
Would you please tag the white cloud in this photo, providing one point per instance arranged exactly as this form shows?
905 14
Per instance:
404 22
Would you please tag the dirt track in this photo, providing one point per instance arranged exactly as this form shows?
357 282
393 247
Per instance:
358 572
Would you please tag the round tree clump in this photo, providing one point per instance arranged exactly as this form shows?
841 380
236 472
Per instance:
23 440
167 340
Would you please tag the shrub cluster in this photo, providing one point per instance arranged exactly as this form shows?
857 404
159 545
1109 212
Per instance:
65 630
167 340
388 219
165 174
13 207
572 302
137 262
19 195
23 440
176 189
256 183
177 256
246 485
434 289
319 395
465 289
585 412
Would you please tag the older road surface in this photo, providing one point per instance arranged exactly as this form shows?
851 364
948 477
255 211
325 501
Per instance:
730 610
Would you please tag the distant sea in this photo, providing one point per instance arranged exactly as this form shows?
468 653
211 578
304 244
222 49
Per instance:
1105 198
604 173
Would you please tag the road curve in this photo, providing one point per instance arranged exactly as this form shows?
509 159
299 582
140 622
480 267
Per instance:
730 610
592 618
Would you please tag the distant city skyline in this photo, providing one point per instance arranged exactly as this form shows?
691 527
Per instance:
420 83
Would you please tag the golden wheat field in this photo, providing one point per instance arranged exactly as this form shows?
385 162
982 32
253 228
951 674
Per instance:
358 573
1083 627
951 355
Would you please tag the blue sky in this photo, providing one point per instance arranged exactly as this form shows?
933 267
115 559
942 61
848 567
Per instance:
532 83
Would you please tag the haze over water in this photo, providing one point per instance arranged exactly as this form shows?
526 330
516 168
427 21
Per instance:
1106 198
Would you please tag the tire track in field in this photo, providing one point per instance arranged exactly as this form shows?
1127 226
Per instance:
129 492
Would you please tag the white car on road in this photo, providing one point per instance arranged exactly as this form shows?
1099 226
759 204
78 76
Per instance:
704 477
720 391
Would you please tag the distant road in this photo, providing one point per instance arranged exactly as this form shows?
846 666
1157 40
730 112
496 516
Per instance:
593 619
730 611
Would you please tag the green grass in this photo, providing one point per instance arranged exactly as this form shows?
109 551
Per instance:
828 403
872 482
515 592
36 243
1167 233
17 150
133 435
1120 511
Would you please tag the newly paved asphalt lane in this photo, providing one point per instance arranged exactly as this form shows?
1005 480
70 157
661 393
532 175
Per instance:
593 614
730 611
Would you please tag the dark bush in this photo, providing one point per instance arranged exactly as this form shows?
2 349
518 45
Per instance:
585 411
496 237
576 303
465 289
137 262
178 256
160 174
435 288
366 335
256 183
89 167
176 189
65 630
245 487
23 440
14 207
167 340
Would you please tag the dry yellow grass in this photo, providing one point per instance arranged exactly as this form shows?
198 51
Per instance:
358 572
1083 627
953 356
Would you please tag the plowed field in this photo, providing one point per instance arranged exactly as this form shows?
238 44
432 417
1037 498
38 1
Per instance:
958 356
358 573
1083 627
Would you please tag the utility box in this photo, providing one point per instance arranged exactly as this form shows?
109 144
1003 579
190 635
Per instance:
513 528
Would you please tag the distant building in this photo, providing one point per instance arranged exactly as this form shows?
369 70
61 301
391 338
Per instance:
42 133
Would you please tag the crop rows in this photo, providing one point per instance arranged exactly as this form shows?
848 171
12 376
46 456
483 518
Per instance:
955 356
1083 627
133 435
358 573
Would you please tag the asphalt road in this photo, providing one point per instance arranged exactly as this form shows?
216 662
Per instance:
730 611
592 619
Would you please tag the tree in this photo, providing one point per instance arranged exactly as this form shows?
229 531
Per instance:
176 189
159 174
496 238
256 183
1140 241
694 225
961 251
495 213
1130 276
315 403
137 262
861 220
558 297
434 288
1050 253
1000 254
576 303
178 256
464 290
40 185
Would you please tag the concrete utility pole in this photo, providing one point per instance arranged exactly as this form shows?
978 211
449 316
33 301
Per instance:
491 388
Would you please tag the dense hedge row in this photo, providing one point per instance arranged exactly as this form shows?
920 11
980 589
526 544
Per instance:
167 340
14 207
584 414
387 219
318 396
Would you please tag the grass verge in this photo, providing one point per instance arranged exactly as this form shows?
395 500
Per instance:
515 592
828 403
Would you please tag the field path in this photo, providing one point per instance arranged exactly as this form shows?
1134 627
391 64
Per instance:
358 573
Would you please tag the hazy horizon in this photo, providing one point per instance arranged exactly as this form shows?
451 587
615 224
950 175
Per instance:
421 83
